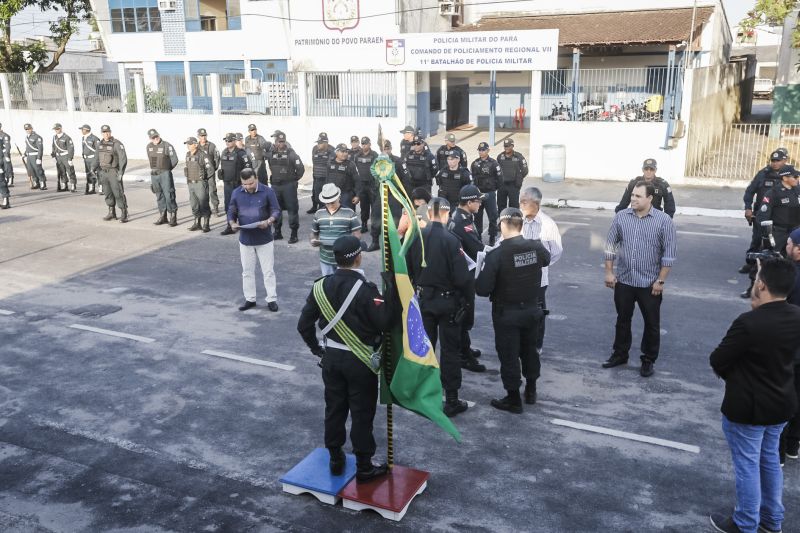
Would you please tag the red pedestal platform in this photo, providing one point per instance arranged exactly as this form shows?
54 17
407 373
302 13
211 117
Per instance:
388 495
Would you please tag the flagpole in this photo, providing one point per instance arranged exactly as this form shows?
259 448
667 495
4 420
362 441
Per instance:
387 336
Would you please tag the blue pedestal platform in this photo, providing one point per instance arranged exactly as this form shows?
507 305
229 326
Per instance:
312 475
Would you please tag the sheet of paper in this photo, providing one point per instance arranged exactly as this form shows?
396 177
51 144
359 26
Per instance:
480 258
470 263
254 225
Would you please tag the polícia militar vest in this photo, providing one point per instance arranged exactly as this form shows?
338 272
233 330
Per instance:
108 156
520 276
419 168
158 154
194 166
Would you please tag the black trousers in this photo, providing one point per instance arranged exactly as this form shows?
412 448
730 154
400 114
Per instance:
350 387
227 191
468 301
437 318
315 192
489 206
540 326
371 210
791 433
625 297
261 172
755 240
507 196
515 341
287 200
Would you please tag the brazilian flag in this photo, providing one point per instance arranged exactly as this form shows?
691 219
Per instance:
415 377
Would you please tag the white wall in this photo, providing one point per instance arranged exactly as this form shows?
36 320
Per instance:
131 128
475 10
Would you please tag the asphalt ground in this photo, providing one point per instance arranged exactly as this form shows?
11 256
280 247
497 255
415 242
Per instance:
102 433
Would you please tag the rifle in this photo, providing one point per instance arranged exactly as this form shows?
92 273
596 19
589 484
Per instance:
25 161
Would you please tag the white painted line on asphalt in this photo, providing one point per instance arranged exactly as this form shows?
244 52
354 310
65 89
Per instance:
700 233
628 436
565 223
6 313
250 360
304 197
112 333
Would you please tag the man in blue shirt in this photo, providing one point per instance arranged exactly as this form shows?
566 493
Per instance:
252 211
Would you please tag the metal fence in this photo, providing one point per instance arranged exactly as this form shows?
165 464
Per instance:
351 94
614 95
37 91
97 92
276 95
740 151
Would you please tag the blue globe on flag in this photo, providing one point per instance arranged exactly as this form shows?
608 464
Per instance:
417 338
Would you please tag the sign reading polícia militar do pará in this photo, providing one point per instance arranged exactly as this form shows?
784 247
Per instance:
518 50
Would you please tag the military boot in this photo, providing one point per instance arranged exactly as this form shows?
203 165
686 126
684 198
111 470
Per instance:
196 226
511 403
293 237
87 189
206 224
452 405
337 461
278 234
6 203
530 392
366 470
173 219
162 218
227 231
112 214
373 245
124 216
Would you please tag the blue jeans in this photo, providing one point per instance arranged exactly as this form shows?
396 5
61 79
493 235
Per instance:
326 269
759 479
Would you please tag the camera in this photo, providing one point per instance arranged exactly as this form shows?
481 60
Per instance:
767 249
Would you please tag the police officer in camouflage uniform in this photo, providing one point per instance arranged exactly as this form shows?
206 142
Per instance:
259 149
5 153
421 165
343 173
112 160
163 158
232 161
450 146
63 152
213 157
321 155
662 192
198 169
452 177
488 176
89 144
286 169
368 193
34 149
514 168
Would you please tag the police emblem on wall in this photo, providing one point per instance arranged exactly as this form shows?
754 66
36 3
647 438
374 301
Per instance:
340 14
395 51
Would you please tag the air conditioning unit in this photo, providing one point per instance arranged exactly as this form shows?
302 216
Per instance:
167 5
449 8
96 44
250 86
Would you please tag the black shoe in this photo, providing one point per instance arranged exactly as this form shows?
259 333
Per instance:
475 352
337 461
764 529
530 394
278 235
745 294
364 230
272 306
292 237
246 305
124 216
367 473
647 369
615 360
744 269
112 214
173 219
507 404
227 231
162 219
196 226
373 245
724 523
472 365
206 224
492 240
452 408
311 211
792 449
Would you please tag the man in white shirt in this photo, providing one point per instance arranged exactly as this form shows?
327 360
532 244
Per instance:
538 225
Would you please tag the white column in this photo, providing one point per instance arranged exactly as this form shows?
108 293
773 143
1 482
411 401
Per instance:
444 99
535 156
6 92
187 78
402 98
138 86
81 92
123 86
302 95
216 101
68 92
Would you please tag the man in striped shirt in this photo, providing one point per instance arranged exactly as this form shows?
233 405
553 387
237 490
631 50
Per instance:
538 225
642 241
330 223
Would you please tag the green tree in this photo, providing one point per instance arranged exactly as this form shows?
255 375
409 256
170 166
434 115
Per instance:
18 57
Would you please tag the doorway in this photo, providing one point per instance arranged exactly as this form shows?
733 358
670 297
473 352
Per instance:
457 102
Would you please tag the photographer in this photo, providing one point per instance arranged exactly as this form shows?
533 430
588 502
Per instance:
756 360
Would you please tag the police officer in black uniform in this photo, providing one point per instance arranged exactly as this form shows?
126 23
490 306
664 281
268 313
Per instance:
355 147
343 173
163 159
408 136
441 285
286 169
213 157
89 144
421 164
487 175
401 171
34 149
5 153
5 194
452 177
232 161
112 161
198 170
781 205
514 168
259 149
368 193
511 277
662 192
450 146
321 156
63 150
462 224
350 375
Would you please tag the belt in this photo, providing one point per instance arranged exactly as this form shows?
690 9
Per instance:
333 344
435 290
32 153
88 156
516 304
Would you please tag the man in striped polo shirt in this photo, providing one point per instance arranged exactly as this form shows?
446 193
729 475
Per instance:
642 241
330 223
